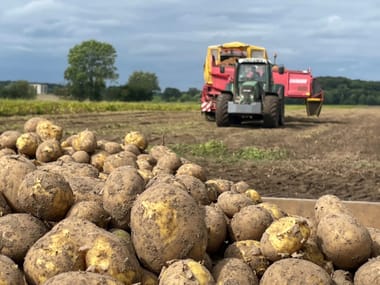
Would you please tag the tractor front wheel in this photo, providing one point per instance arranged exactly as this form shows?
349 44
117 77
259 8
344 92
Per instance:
221 114
271 111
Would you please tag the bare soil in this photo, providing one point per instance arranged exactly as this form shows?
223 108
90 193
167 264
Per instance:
337 153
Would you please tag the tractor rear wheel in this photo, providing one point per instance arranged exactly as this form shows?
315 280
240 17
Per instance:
221 114
271 111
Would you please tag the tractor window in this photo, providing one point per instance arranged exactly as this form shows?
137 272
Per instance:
229 56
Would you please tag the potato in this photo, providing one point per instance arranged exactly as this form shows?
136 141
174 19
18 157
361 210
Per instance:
254 195
144 164
147 157
148 277
216 227
234 271
68 142
329 204
90 210
284 237
310 251
18 232
342 277
296 272
240 187
167 164
110 147
249 223
249 251
85 140
232 202
368 273
220 185
158 151
274 209
71 168
196 188
8 139
7 151
120 191
82 277
124 158
110 255
344 241
166 178
79 245
27 144
10 273
45 195
31 124
4 207
132 148
375 236
48 150
136 138
186 272
194 170
81 156
47 130
13 169
97 159
166 224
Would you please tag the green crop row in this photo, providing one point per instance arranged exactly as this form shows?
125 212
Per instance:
35 107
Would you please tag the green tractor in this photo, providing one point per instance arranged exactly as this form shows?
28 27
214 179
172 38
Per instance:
251 95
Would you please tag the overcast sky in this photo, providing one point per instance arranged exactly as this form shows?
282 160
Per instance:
170 37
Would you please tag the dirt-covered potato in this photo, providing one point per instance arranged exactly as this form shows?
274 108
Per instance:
284 237
124 158
240 187
254 195
311 251
45 195
344 241
167 164
234 271
185 272
97 159
342 277
67 142
47 130
8 139
249 223
119 192
166 224
249 251
90 210
27 144
232 202
368 273
81 156
86 188
148 277
196 188
13 169
136 138
274 209
82 277
48 150
110 147
85 140
132 148
219 185
193 169
31 124
79 245
70 168
158 151
7 151
216 227
375 236
18 232
10 273
296 272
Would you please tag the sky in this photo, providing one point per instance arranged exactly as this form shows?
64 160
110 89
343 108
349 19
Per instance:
170 37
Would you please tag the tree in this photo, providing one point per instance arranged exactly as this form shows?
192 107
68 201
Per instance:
91 63
142 86
171 94
20 89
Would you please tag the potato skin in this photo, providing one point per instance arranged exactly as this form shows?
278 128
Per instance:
10 273
90 210
82 277
296 272
45 195
8 139
4 207
344 241
48 150
232 202
216 227
166 224
14 240
368 273
85 140
234 271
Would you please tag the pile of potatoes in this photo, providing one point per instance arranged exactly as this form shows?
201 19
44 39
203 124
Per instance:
78 210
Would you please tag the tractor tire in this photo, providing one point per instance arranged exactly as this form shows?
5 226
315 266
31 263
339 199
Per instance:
221 113
271 111
281 96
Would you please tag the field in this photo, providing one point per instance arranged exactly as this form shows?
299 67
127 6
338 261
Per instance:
337 153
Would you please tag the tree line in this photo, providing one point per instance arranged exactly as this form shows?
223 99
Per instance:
91 73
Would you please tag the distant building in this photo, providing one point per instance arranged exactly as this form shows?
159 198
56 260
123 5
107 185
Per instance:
40 88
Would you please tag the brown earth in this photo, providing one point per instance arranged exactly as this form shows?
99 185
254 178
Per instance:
337 153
